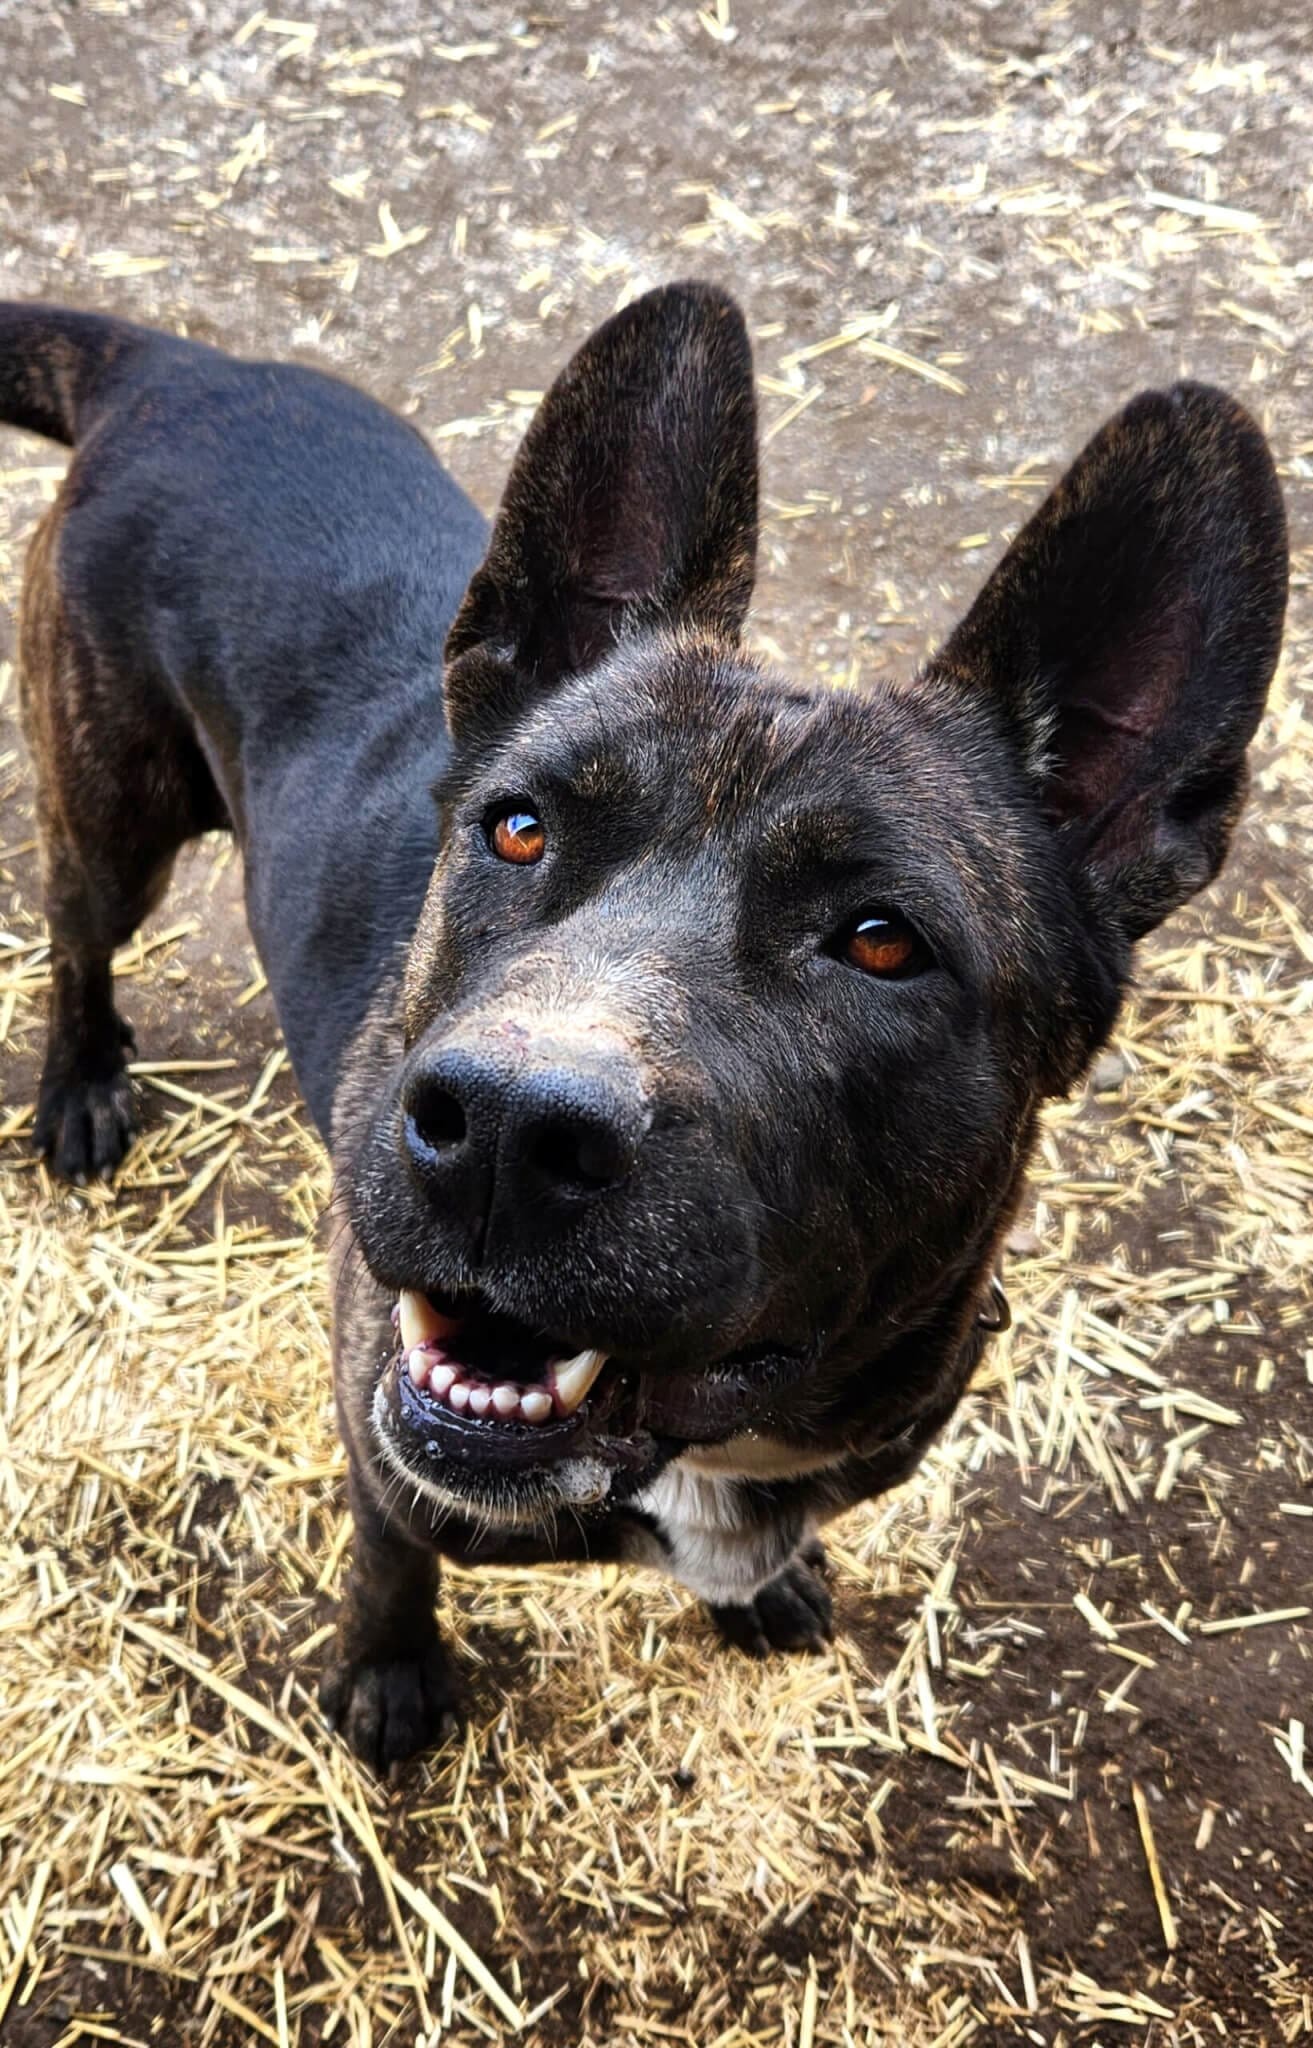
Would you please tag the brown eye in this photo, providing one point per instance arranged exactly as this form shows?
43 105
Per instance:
519 836
884 945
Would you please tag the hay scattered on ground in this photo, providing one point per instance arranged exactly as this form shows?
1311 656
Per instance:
1067 1710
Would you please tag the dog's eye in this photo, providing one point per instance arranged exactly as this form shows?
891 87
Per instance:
518 836
880 942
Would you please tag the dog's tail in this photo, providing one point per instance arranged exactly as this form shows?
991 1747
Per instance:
57 366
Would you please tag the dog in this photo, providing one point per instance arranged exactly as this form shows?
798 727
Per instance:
678 1031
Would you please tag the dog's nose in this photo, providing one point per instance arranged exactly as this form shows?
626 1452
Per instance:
520 1141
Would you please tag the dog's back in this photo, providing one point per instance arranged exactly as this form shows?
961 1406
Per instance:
243 590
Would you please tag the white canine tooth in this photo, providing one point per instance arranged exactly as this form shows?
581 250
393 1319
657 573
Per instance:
573 1377
505 1399
458 1396
535 1405
419 1320
418 1364
480 1401
420 1323
440 1380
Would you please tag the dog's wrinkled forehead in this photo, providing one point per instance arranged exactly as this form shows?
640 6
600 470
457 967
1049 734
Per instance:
676 753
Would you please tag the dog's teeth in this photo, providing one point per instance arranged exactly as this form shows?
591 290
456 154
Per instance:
573 1377
414 1317
420 1322
443 1379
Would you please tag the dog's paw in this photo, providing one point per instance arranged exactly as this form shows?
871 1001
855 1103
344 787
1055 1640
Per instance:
792 1612
388 1709
84 1123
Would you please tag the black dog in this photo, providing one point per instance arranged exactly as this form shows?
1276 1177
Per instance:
679 1061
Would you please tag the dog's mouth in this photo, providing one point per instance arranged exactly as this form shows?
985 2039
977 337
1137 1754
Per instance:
471 1388
488 1388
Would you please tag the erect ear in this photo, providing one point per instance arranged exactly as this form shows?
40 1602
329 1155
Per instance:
1130 634
632 501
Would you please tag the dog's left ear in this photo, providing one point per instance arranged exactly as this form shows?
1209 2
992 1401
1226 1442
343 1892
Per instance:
1130 634
632 500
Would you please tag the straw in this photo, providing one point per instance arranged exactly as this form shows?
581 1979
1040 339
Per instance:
958 249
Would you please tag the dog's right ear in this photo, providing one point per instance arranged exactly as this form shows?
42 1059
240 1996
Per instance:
1128 637
632 502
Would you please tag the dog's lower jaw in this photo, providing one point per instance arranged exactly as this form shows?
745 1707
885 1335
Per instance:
573 1485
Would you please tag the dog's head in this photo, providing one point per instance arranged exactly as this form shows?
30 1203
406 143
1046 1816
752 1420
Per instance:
733 998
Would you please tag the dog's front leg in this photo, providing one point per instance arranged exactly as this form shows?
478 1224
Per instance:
792 1611
389 1686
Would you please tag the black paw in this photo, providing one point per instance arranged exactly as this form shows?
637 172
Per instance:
84 1123
389 1709
793 1612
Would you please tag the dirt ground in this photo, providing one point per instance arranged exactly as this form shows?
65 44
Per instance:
1077 1648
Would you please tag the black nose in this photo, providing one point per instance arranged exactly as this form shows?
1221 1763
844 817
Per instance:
512 1145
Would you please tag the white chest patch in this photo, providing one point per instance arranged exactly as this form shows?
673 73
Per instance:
715 1544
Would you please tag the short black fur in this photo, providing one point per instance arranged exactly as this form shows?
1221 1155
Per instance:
635 1095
